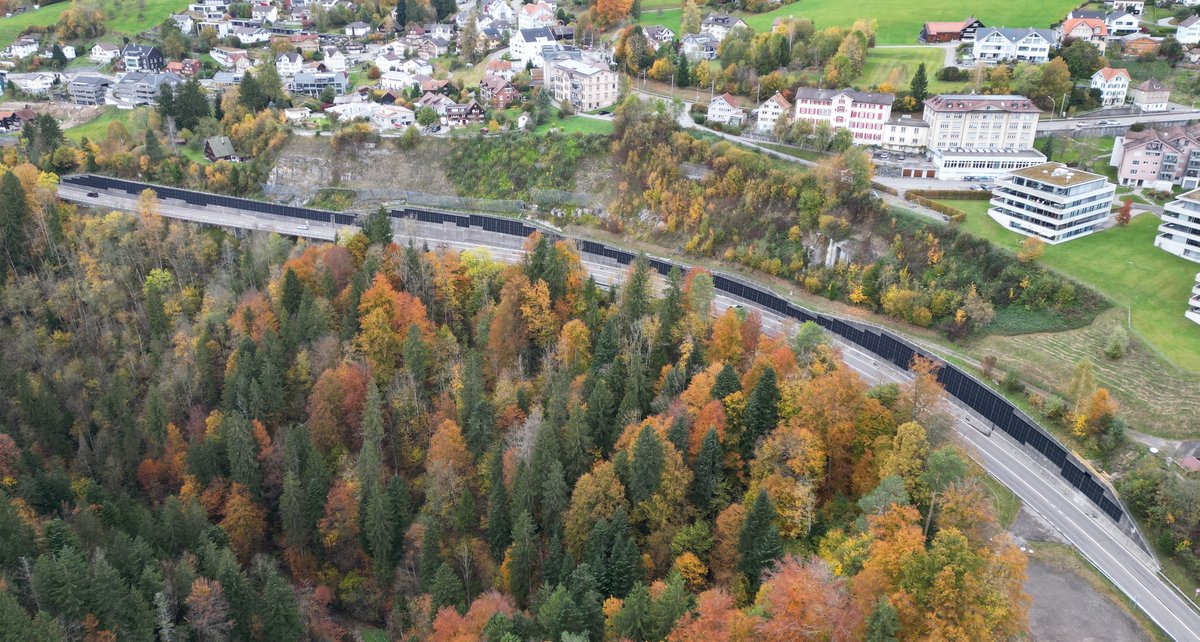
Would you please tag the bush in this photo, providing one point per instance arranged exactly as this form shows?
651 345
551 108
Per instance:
1012 382
952 74
1118 342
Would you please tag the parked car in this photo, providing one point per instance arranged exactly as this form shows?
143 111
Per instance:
93 194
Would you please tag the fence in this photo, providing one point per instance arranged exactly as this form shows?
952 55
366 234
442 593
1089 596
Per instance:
925 197
970 392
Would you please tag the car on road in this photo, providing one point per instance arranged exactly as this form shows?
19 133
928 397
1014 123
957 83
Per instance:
302 226
1083 124
93 194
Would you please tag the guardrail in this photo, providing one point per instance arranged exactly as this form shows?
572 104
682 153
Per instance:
880 342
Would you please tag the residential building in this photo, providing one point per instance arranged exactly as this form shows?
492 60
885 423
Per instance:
1136 7
699 46
533 16
103 53
392 117
142 58
497 91
500 10
718 25
464 114
37 83
357 29
1113 85
980 136
586 86
89 90
996 44
658 35
289 64
185 22
1179 232
14 120
1158 158
1188 31
140 88
1137 45
502 68
1090 30
334 59
1052 202
1193 309
396 81
297 114
250 35
22 47
1151 95
771 111
906 134
726 109
437 102
526 45
1122 23
938 32
220 148
187 67
863 113
310 83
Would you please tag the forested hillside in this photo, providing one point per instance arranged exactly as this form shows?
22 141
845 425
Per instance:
208 438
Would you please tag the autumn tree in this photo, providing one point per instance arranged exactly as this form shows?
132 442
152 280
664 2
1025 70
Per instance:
804 600
207 611
244 522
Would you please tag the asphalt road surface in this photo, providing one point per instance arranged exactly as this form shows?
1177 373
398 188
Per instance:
1079 522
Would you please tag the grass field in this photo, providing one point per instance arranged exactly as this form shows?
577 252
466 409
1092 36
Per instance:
98 128
122 17
900 21
577 125
897 66
1124 265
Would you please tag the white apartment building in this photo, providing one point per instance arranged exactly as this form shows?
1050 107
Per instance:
906 134
526 46
1188 31
771 111
1113 85
1179 232
587 87
996 44
1193 309
1052 202
864 113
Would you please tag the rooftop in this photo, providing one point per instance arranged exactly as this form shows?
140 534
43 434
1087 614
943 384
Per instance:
1057 174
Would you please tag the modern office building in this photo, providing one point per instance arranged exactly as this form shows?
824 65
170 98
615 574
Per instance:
1052 202
1179 232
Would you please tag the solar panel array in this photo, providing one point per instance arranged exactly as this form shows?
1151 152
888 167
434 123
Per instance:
885 345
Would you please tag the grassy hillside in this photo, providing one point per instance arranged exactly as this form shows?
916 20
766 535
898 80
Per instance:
124 17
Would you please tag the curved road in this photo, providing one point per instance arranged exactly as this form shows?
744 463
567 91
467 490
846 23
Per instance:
1076 519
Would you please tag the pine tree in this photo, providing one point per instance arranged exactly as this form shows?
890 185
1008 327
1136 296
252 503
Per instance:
14 215
884 623
499 529
379 528
555 498
278 614
647 466
759 544
242 451
293 292
635 620
293 513
431 553
377 227
152 147
599 416
370 456
521 557
635 297
678 433
683 77
466 513
726 384
708 472
919 87
447 590
761 413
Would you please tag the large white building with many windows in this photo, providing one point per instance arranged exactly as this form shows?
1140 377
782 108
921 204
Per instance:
975 136
1193 309
1052 202
1179 232
864 113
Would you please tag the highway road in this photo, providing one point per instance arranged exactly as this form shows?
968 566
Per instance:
1046 126
1076 519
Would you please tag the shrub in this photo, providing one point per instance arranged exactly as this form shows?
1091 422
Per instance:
1012 382
1118 342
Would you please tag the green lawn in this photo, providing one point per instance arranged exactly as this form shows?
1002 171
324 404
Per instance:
122 17
577 125
900 21
1124 265
98 128
897 67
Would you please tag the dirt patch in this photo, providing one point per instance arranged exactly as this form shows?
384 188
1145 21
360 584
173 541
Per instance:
68 115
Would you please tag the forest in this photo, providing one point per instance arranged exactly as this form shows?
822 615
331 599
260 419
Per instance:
220 437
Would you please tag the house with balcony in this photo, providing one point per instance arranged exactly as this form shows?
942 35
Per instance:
769 113
1179 232
1052 202
1000 44
726 109
585 86
89 90
718 25
699 46
1193 309
1158 158
1090 30
142 58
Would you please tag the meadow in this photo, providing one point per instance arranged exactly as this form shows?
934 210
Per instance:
122 17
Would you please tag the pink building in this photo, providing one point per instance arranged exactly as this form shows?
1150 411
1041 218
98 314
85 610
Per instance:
864 113
1158 158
